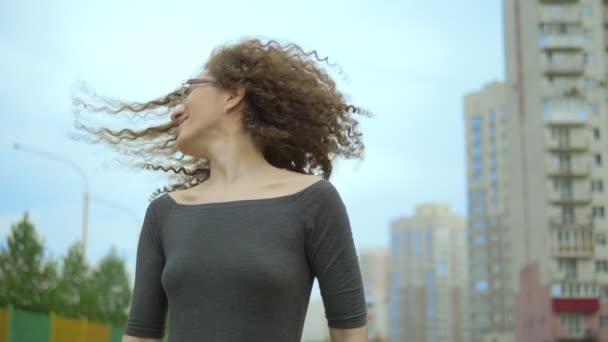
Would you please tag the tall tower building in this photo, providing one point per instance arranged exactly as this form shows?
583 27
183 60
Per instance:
491 274
555 199
374 269
428 277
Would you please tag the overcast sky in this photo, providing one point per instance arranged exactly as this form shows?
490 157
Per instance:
409 62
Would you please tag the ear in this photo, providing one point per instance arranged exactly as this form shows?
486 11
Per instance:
235 99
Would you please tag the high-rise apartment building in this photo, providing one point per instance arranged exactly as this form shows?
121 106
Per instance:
374 269
428 277
555 201
491 274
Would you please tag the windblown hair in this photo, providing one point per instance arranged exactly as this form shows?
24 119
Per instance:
293 111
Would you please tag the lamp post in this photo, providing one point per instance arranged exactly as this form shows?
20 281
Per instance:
52 156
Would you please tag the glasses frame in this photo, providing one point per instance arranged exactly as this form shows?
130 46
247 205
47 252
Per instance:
186 85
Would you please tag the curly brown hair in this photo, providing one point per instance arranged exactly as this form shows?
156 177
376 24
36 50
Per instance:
293 111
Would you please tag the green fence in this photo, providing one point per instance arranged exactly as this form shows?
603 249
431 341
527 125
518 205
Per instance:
23 326
28 326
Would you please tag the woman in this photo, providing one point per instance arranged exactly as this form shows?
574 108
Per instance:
232 249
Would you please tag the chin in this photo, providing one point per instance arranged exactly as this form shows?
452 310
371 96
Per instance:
187 147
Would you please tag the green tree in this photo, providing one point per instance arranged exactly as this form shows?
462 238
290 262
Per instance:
26 280
111 291
73 293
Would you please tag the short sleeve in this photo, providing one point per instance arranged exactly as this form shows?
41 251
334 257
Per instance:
333 259
148 310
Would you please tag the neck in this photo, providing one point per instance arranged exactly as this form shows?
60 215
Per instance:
234 161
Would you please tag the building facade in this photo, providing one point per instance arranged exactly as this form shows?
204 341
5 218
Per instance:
428 277
374 269
492 275
556 203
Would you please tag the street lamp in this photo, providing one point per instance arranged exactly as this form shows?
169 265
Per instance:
52 156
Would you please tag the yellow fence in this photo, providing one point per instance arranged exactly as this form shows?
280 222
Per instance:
3 325
17 325
78 330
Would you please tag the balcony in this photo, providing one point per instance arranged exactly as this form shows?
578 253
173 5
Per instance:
562 42
571 170
589 335
560 14
575 243
567 118
572 143
556 89
582 220
563 64
578 195
576 305
566 68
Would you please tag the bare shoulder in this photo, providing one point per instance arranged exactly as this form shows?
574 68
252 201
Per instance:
295 182
184 195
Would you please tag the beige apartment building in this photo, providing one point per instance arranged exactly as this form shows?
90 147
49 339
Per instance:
374 269
554 208
428 277
491 273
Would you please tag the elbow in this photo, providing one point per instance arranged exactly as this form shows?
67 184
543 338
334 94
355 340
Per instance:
349 335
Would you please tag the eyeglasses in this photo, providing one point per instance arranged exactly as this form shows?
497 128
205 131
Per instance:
186 88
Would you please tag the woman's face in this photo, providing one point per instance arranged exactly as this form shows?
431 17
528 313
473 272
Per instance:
199 115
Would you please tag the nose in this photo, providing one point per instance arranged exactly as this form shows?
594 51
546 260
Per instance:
178 113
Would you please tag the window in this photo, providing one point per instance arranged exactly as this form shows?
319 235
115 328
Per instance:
478 176
418 244
568 266
604 293
601 265
600 238
395 243
480 240
548 106
587 35
396 279
556 290
568 214
597 185
479 209
596 133
479 224
597 212
597 159
587 10
476 121
429 245
477 164
477 150
563 160
589 58
481 285
441 268
604 321
571 322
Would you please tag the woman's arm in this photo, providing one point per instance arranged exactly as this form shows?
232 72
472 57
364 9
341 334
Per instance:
126 338
348 335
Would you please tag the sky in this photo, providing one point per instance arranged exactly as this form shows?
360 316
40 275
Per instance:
409 62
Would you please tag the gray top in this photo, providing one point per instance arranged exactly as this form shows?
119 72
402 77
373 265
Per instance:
243 270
